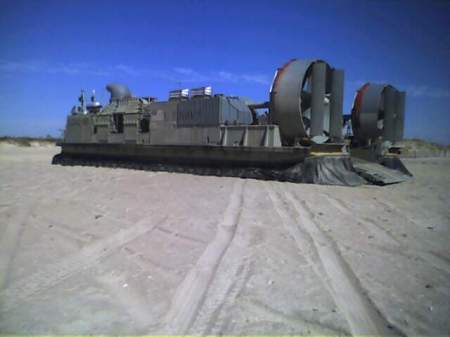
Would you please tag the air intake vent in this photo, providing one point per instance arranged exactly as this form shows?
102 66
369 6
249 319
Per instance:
200 92
179 94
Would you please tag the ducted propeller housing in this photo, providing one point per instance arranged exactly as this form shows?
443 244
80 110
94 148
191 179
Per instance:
378 111
306 101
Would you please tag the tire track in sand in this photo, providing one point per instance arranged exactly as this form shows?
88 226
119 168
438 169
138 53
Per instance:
371 225
304 325
395 245
49 276
360 312
231 278
190 294
10 238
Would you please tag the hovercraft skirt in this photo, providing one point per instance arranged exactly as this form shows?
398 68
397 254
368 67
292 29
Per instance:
294 164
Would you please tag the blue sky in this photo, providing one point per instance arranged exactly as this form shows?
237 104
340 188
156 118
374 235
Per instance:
52 49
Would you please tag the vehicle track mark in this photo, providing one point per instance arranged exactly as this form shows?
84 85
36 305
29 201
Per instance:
304 325
388 208
181 235
379 230
375 228
371 225
149 266
9 242
286 258
163 268
190 294
55 273
394 246
360 312
212 319
49 225
339 204
429 258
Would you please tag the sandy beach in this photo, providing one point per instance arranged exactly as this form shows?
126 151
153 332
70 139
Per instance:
87 250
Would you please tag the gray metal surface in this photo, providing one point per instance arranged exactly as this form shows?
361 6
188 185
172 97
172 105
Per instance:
118 91
250 135
378 110
200 111
293 164
378 174
400 115
389 114
336 102
318 98
370 112
298 99
193 154
213 111
285 98
235 107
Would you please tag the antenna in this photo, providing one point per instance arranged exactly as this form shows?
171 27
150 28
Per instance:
81 98
93 96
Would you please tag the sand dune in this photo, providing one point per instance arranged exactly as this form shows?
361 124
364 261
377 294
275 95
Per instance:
112 251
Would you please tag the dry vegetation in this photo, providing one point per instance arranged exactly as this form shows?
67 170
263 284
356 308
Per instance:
420 148
29 141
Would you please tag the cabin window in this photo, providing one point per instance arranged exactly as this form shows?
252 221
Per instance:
117 126
144 124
